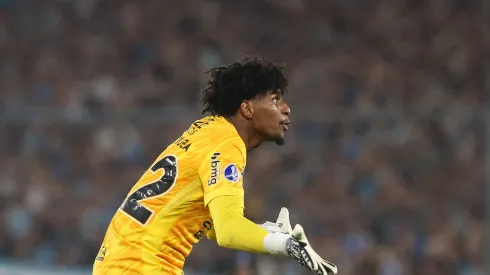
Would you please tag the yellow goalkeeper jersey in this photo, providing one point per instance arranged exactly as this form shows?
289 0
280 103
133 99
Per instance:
165 212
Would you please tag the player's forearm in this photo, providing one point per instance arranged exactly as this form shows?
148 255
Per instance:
241 234
232 229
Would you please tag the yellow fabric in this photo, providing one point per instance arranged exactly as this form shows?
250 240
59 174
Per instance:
233 230
165 211
211 234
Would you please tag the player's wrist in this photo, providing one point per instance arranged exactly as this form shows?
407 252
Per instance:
275 243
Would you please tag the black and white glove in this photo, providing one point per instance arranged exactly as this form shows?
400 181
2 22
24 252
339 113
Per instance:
283 240
300 249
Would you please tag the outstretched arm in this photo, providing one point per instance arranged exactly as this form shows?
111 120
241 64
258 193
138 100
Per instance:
221 174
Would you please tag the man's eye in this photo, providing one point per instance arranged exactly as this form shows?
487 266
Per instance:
275 101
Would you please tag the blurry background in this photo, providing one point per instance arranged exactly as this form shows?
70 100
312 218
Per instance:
383 165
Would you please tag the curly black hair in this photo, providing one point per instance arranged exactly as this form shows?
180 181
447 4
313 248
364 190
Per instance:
242 80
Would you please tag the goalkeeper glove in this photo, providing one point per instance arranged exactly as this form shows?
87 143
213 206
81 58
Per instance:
283 238
282 224
300 249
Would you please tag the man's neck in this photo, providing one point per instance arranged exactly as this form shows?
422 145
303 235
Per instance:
245 131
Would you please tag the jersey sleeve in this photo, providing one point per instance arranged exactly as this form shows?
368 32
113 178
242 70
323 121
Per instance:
221 172
230 223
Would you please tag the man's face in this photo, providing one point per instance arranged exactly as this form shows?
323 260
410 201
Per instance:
270 117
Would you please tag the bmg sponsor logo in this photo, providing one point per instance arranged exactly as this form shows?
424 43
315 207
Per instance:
215 169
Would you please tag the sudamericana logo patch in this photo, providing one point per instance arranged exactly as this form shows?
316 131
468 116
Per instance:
231 173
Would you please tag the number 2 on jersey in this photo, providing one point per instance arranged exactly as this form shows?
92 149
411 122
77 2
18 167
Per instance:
132 205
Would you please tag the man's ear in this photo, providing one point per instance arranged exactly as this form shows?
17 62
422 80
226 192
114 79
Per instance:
246 108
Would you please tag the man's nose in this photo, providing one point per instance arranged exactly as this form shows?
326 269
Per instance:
286 110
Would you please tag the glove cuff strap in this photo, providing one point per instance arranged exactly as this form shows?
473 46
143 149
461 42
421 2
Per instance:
275 243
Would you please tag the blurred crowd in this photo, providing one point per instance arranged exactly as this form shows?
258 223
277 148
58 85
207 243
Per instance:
383 165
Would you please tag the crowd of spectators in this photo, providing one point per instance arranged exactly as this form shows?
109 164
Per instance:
385 152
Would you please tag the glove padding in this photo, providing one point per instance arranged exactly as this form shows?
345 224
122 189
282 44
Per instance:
300 249
297 246
282 225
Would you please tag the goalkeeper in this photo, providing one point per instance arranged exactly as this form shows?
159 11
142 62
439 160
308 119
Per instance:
195 186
